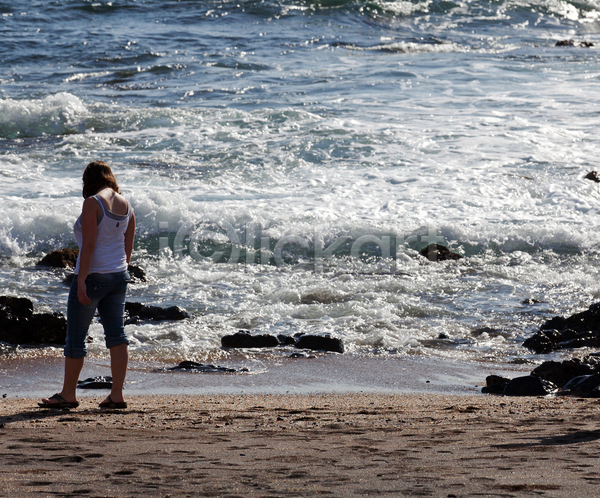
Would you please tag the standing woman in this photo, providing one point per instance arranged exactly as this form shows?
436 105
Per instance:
105 232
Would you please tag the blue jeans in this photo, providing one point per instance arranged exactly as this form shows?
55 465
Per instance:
107 292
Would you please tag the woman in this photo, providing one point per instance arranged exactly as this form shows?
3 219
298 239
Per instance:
105 232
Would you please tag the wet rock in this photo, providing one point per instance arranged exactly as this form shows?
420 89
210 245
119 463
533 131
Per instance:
244 339
578 330
437 252
286 340
531 301
579 322
593 175
192 366
320 343
560 373
573 43
543 341
491 332
529 385
136 273
581 386
495 384
61 258
99 382
138 312
16 306
20 325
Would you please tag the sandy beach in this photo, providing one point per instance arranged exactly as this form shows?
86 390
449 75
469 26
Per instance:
303 445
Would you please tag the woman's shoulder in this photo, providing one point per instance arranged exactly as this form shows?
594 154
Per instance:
114 202
91 203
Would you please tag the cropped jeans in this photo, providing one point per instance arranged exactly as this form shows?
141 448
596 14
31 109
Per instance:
107 294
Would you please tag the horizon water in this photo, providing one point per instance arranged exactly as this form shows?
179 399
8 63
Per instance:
287 161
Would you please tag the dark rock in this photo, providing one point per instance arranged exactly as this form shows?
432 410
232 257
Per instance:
573 43
593 175
556 323
46 328
95 383
578 330
286 340
543 341
136 274
582 385
157 313
580 322
15 306
19 325
529 386
489 331
587 339
560 373
192 366
244 339
530 301
320 343
132 309
61 258
437 252
138 312
495 384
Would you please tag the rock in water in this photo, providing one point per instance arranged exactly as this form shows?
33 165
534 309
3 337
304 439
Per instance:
61 258
138 312
593 175
320 343
19 325
15 306
192 366
136 273
244 339
579 330
573 43
437 252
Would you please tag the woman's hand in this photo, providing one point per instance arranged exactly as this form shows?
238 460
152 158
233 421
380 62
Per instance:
82 293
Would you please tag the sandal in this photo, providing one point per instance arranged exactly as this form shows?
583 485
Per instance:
60 404
109 403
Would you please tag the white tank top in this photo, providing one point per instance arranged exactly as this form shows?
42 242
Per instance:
109 254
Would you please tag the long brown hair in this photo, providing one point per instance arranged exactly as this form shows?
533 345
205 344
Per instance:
96 176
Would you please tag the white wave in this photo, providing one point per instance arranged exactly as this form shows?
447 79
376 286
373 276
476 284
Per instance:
83 76
53 115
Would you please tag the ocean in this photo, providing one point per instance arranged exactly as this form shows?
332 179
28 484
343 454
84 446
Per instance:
287 161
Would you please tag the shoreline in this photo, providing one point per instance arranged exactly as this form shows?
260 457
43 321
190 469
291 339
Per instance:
321 374
303 445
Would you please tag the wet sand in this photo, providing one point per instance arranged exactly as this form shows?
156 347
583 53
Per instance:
330 373
303 445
